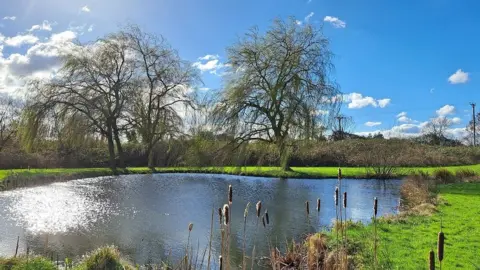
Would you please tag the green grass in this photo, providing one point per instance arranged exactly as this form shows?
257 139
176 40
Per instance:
405 244
298 172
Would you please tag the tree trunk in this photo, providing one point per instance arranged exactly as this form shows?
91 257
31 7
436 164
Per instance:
284 155
151 156
121 160
111 149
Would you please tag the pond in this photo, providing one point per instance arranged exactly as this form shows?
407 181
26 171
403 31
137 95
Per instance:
147 216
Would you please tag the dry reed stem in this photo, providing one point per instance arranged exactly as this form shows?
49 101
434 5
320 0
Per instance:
245 214
307 207
267 217
210 241
440 247
230 194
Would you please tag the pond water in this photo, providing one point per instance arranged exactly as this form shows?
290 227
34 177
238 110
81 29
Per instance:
147 216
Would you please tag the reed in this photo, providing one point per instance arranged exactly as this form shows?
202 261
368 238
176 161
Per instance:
345 228
245 214
230 194
335 196
258 208
375 211
220 262
307 208
210 240
267 217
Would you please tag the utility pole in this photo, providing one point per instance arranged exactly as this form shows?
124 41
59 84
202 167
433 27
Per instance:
474 124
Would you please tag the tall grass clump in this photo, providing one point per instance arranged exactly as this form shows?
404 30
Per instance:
417 189
104 258
444 176
24 262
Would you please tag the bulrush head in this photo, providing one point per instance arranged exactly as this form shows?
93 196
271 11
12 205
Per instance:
220 214
307 207
226 214
431 264
266 217
336 196
220 261
190 227
263 221
318 205
339 173
375 206
259 208
230 194
441 242
344 199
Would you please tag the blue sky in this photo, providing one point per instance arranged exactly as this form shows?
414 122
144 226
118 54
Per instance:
393 59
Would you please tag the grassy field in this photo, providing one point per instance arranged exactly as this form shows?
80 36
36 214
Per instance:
405 244
298 172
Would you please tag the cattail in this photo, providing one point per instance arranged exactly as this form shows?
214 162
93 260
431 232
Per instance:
263 221
339 173
220 214
259 208
220 261
344 199
190 227
318 205
441 241
226 216
230 194
266 217
307 207
336 196
432 260
375 206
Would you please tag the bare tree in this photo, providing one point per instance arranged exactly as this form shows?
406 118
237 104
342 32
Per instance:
96 80
276 80
165 81
10 110
436 129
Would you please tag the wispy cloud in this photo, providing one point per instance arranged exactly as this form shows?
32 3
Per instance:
11 18
372 124
210 63
46 26
458 77
306 19
336 22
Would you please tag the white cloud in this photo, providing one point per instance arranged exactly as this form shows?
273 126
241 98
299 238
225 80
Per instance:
401 114
446 110
46 25
298 22
209 63
203 88
358 101
458 77
456 120
85 9
40 60
336 22
90 29
372 124
11 18
20 40
382 103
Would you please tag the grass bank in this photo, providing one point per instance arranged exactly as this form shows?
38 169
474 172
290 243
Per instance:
297 172
405 243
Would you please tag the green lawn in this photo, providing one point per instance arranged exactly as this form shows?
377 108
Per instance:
300 172
406 244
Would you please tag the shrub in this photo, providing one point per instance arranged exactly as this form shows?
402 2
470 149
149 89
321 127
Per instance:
444 176
416 190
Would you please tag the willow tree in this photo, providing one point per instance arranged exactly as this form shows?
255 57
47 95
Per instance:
164 80
96 81
276 80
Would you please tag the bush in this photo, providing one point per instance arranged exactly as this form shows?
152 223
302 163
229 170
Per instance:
416 189
444 176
